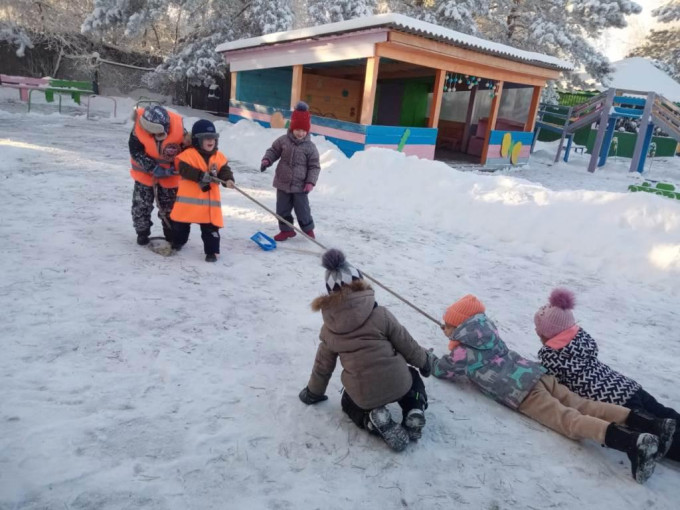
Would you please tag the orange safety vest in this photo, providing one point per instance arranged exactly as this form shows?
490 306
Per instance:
193 205
163 152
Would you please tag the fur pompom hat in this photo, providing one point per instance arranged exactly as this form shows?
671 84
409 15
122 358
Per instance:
301 118
556 316
339 272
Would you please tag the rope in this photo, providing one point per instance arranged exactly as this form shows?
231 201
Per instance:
299 231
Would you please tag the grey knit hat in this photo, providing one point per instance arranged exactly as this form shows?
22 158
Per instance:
339 272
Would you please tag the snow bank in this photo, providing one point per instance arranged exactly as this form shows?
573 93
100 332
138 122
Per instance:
634 236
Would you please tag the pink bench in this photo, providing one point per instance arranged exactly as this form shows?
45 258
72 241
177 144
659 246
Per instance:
23 83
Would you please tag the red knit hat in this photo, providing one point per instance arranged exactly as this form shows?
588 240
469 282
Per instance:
300 118
463 309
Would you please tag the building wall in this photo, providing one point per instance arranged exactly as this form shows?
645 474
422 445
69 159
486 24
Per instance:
270 87
332 97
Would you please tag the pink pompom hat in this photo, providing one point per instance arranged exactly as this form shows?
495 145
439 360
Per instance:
556 316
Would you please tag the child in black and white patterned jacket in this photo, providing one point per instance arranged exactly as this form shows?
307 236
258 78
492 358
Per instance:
570 354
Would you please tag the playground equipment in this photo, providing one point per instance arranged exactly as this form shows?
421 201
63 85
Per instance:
651 109
664 189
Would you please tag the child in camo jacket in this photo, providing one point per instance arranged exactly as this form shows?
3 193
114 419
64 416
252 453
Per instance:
478 352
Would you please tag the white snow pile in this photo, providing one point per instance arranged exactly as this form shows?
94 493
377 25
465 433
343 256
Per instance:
134 381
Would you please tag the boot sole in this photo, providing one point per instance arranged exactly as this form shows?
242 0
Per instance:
666 435
647 448
392 433
414 424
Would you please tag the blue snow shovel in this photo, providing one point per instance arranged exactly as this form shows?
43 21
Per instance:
264 241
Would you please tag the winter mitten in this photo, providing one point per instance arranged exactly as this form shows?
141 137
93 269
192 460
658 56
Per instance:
229 184
426 370
160 172
205 182
307 397
264 165
308 187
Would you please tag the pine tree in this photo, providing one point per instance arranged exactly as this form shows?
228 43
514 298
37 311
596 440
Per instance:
15 36
323 11
668 12
663 46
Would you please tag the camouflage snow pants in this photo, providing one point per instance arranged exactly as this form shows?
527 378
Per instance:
143 199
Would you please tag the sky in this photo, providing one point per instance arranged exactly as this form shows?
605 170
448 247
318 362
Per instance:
616 43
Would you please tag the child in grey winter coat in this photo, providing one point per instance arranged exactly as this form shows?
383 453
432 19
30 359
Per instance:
374 350
296 173
478 352
570 354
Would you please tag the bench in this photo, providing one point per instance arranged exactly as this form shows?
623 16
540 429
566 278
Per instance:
23 83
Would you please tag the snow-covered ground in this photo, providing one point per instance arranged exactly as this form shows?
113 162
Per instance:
133 381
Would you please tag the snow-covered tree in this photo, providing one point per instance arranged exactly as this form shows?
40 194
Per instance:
16 36
323 11
663 46
668 12
268 16
563 28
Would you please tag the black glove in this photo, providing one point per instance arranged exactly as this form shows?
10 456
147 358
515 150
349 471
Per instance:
264 165
426 371
205 182
309 398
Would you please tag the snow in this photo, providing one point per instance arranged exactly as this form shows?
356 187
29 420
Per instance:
133 381
639 74
398 21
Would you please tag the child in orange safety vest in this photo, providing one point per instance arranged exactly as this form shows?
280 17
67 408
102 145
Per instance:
198 196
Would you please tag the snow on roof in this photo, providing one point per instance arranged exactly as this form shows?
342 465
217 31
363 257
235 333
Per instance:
639 73
406 24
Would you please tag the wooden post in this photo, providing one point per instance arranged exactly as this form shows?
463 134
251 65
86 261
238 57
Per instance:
370 85
296 88
493 116
604 121
642 131
234 82
468 120
530 124
437 94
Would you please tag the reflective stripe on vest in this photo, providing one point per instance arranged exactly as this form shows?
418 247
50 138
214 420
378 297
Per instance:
198 201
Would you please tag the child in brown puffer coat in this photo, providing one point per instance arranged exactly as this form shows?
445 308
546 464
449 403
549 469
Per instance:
375 352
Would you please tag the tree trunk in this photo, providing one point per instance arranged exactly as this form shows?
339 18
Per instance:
511 22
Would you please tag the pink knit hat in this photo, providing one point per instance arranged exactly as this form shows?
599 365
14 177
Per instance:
555 317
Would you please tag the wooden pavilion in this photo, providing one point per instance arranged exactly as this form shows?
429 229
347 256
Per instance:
393 81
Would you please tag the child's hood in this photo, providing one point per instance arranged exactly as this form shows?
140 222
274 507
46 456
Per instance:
347 309
480 333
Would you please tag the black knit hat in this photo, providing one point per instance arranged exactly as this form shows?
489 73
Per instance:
339 272
203 129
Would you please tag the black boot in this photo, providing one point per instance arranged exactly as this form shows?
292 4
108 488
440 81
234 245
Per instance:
413 422
641 449
211 257
663 428
142 238
380 421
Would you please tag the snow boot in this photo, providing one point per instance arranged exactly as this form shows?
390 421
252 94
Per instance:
641 449
310 233
177 247
414 421
663 428
211 257
142 239
380 421
284 234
